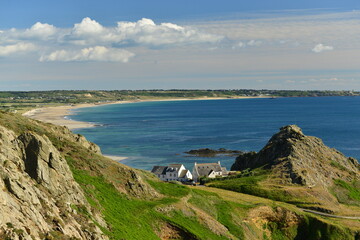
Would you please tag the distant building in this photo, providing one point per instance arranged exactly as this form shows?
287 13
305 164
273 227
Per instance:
210 170
173 172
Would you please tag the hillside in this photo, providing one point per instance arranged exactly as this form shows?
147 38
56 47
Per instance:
57 185
299 169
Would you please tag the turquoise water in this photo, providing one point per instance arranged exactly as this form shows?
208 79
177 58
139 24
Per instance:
158 133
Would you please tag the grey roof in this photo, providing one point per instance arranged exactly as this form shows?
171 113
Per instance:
183 173
159 170
204 169
171 169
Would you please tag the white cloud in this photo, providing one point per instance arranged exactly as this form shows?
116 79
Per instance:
146 32
87 27
98 53
40 30
321 48
16 48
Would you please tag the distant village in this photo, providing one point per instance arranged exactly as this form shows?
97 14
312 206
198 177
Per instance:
178 172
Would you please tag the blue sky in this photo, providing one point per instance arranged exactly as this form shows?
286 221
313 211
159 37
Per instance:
21 13
179 44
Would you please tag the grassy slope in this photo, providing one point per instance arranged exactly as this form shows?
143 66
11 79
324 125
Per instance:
195 213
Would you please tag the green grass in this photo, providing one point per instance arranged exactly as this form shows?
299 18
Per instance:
223 211
127 219
251 185
136 219
170 189
352 189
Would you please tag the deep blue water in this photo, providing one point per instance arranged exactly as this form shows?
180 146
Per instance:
157 133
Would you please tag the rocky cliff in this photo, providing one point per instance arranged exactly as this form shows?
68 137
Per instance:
295 158
39 195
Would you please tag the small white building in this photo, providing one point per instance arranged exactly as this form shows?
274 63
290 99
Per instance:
210 170
173 172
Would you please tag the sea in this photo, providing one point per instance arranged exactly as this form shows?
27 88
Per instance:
159 133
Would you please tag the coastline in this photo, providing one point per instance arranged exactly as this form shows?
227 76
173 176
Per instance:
58 115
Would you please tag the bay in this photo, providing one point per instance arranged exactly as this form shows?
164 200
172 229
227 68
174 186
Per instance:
158 133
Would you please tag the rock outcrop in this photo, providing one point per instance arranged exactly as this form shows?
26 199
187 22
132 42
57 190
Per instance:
207 152
299 159
39 196
65 133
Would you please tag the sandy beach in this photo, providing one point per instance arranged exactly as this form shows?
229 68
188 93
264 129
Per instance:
57 115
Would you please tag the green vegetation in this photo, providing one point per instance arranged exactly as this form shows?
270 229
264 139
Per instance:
126 219
24 100
223 211
170 189
250 183
136 218
348 193
337 165
354 191
313 228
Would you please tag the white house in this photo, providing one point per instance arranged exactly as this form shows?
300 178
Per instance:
210 170
173 172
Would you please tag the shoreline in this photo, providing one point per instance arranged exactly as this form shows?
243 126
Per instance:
58 115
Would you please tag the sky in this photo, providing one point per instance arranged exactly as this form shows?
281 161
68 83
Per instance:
229 44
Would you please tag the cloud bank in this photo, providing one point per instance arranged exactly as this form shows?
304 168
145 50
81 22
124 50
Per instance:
90 41
20 47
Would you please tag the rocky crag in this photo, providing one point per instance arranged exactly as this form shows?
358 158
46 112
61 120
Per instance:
300 159
302 169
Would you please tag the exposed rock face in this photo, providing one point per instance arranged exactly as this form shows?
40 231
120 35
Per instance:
84 142
66 133
38 193
300 159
